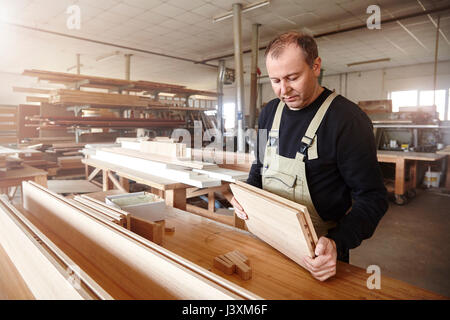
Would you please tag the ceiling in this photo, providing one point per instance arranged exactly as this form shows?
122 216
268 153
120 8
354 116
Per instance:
185 29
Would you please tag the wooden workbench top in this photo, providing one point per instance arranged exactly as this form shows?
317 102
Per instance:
25 172
424 156
275 276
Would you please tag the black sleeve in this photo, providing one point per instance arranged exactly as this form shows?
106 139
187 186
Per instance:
358 165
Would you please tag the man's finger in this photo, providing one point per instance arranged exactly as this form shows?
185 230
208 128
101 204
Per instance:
318 262
323 272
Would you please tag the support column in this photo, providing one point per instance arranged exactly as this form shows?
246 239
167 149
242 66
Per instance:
220 82
78 63
254 75
238 63
128 66
435 60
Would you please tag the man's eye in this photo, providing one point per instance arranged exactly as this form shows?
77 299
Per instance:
292 79
275 81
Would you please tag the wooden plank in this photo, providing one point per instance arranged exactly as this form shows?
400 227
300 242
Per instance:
12 285
164 159
140 268
31 90
159 183
277 224
44 275
72 186
157 169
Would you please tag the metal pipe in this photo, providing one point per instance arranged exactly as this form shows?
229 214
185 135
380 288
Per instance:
78 63
435 60
254 75
220 82
361 26
238 61
128 66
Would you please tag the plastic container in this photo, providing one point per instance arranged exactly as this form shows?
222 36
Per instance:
432 179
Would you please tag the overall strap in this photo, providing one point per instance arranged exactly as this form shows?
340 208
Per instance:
309 140
274 131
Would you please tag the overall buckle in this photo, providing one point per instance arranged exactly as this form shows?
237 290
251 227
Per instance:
304 146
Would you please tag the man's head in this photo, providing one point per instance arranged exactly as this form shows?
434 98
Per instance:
293 65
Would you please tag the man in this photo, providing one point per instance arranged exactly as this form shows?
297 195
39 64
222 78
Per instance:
320 152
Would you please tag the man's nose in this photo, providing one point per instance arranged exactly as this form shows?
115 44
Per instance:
284 87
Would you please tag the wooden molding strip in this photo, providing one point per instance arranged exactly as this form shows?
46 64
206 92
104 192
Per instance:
44 267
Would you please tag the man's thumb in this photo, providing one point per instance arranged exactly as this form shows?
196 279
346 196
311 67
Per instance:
320 248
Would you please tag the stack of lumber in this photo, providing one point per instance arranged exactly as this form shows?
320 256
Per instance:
168 160
283 224
97 99
9 163
104 122
8 124
110 261
109 83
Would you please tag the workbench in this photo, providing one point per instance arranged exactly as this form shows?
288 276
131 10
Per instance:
446 152
13 178
400 158
199 240
174 192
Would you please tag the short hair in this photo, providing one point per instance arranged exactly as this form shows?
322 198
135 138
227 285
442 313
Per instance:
303 41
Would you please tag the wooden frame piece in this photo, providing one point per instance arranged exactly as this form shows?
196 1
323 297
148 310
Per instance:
283 224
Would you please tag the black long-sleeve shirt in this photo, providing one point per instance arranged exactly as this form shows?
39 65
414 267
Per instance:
346 170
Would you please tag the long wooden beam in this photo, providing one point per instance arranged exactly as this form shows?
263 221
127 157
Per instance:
46 270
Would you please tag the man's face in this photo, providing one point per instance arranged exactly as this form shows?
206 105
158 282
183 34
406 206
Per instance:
293 80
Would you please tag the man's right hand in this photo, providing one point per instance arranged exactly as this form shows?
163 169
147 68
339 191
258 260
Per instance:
238 209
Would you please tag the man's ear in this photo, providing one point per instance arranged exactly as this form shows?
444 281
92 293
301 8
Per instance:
317 65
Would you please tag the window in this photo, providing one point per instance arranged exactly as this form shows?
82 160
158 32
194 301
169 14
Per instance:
229 114
403 99
426 99
422 98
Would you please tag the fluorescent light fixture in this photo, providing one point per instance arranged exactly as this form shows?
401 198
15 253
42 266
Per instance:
369 61
107 56
246 8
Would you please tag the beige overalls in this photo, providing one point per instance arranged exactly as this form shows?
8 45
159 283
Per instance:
286 177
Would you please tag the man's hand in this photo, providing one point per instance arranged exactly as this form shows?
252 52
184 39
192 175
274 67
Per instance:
238 209
323 266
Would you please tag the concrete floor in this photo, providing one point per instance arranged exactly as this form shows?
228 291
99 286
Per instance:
412 243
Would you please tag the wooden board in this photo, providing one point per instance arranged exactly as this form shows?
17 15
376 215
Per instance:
281 226
72 186
138 267
41 264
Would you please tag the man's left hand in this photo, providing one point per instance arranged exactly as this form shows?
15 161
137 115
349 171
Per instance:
323 266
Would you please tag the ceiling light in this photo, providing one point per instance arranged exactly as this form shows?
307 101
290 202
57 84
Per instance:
246 8
369 61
